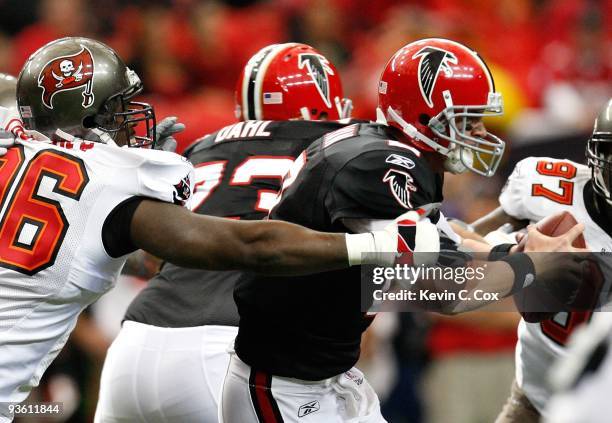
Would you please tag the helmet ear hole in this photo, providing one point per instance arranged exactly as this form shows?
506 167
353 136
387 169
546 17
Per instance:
89 121
424 119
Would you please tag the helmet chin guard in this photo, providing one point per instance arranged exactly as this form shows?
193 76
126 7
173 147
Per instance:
460 148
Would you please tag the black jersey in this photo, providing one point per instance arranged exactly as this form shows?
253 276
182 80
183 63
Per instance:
310 327
238 175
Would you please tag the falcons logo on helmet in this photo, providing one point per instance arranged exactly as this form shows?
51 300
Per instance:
318 69
401 184
433 60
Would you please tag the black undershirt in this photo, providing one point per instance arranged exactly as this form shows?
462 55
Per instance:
116 236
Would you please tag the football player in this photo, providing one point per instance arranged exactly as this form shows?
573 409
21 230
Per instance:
582 377
238 175
299 338
539 187
8 89
8 106
71 209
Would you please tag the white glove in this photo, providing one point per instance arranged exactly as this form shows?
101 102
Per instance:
7 140
409 233
502 235
164 131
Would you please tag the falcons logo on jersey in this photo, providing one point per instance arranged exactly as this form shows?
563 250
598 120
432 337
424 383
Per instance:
433 60
401 184
318 69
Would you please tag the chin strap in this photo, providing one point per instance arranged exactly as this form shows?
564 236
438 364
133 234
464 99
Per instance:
305 113
412 132
380 116
99 136
347 108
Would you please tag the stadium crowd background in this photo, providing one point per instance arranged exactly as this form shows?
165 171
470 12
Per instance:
552 60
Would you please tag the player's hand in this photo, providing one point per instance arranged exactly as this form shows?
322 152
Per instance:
164 132
537 241
560 269
7 140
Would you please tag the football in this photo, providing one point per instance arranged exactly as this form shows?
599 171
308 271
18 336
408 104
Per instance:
557 225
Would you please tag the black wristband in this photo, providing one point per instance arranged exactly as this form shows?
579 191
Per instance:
500 251
524 271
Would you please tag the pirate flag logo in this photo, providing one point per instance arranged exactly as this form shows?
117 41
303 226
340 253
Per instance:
182 191
433 60
318 69
68 73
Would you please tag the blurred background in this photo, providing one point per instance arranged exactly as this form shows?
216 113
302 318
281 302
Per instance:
551 59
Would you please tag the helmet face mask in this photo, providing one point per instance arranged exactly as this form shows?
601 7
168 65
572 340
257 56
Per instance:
432 90
481 154
290 81
128 122
81 87
599 153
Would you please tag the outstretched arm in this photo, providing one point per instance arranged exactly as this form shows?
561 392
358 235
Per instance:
271 247
494 220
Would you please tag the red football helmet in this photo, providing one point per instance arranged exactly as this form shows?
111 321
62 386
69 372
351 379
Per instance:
290 81
430 89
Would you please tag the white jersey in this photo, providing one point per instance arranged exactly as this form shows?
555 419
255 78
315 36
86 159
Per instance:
540 187
53 205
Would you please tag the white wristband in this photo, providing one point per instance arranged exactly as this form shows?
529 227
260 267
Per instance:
379 245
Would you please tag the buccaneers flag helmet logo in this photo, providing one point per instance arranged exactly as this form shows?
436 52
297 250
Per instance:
68 73
182 191
433 60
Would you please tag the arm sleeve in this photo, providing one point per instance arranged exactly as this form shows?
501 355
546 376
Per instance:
159 175
518 189
116 229
369 187
167 177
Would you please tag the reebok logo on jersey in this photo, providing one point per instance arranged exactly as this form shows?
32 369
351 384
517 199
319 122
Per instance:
400 161
400 184
358 379
308 408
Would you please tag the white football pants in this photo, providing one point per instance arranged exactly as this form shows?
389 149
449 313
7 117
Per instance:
154 374
251 396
